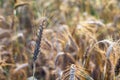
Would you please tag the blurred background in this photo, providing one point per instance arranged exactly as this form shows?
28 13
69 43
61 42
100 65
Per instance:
72 27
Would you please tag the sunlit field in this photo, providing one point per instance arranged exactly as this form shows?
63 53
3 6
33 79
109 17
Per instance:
59 39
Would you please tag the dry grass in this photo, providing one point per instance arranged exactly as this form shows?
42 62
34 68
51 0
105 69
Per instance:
80 40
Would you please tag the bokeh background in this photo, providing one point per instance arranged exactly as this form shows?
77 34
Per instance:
79 35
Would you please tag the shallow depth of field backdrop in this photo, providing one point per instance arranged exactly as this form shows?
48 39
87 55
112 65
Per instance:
59 39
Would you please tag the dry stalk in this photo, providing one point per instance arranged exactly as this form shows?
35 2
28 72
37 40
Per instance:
108 71
72 72
75 72
19 67
90 49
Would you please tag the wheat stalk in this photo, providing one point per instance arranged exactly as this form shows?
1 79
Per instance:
38 44
72 72
75 72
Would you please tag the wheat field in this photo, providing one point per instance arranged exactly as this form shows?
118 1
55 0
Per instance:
59 39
